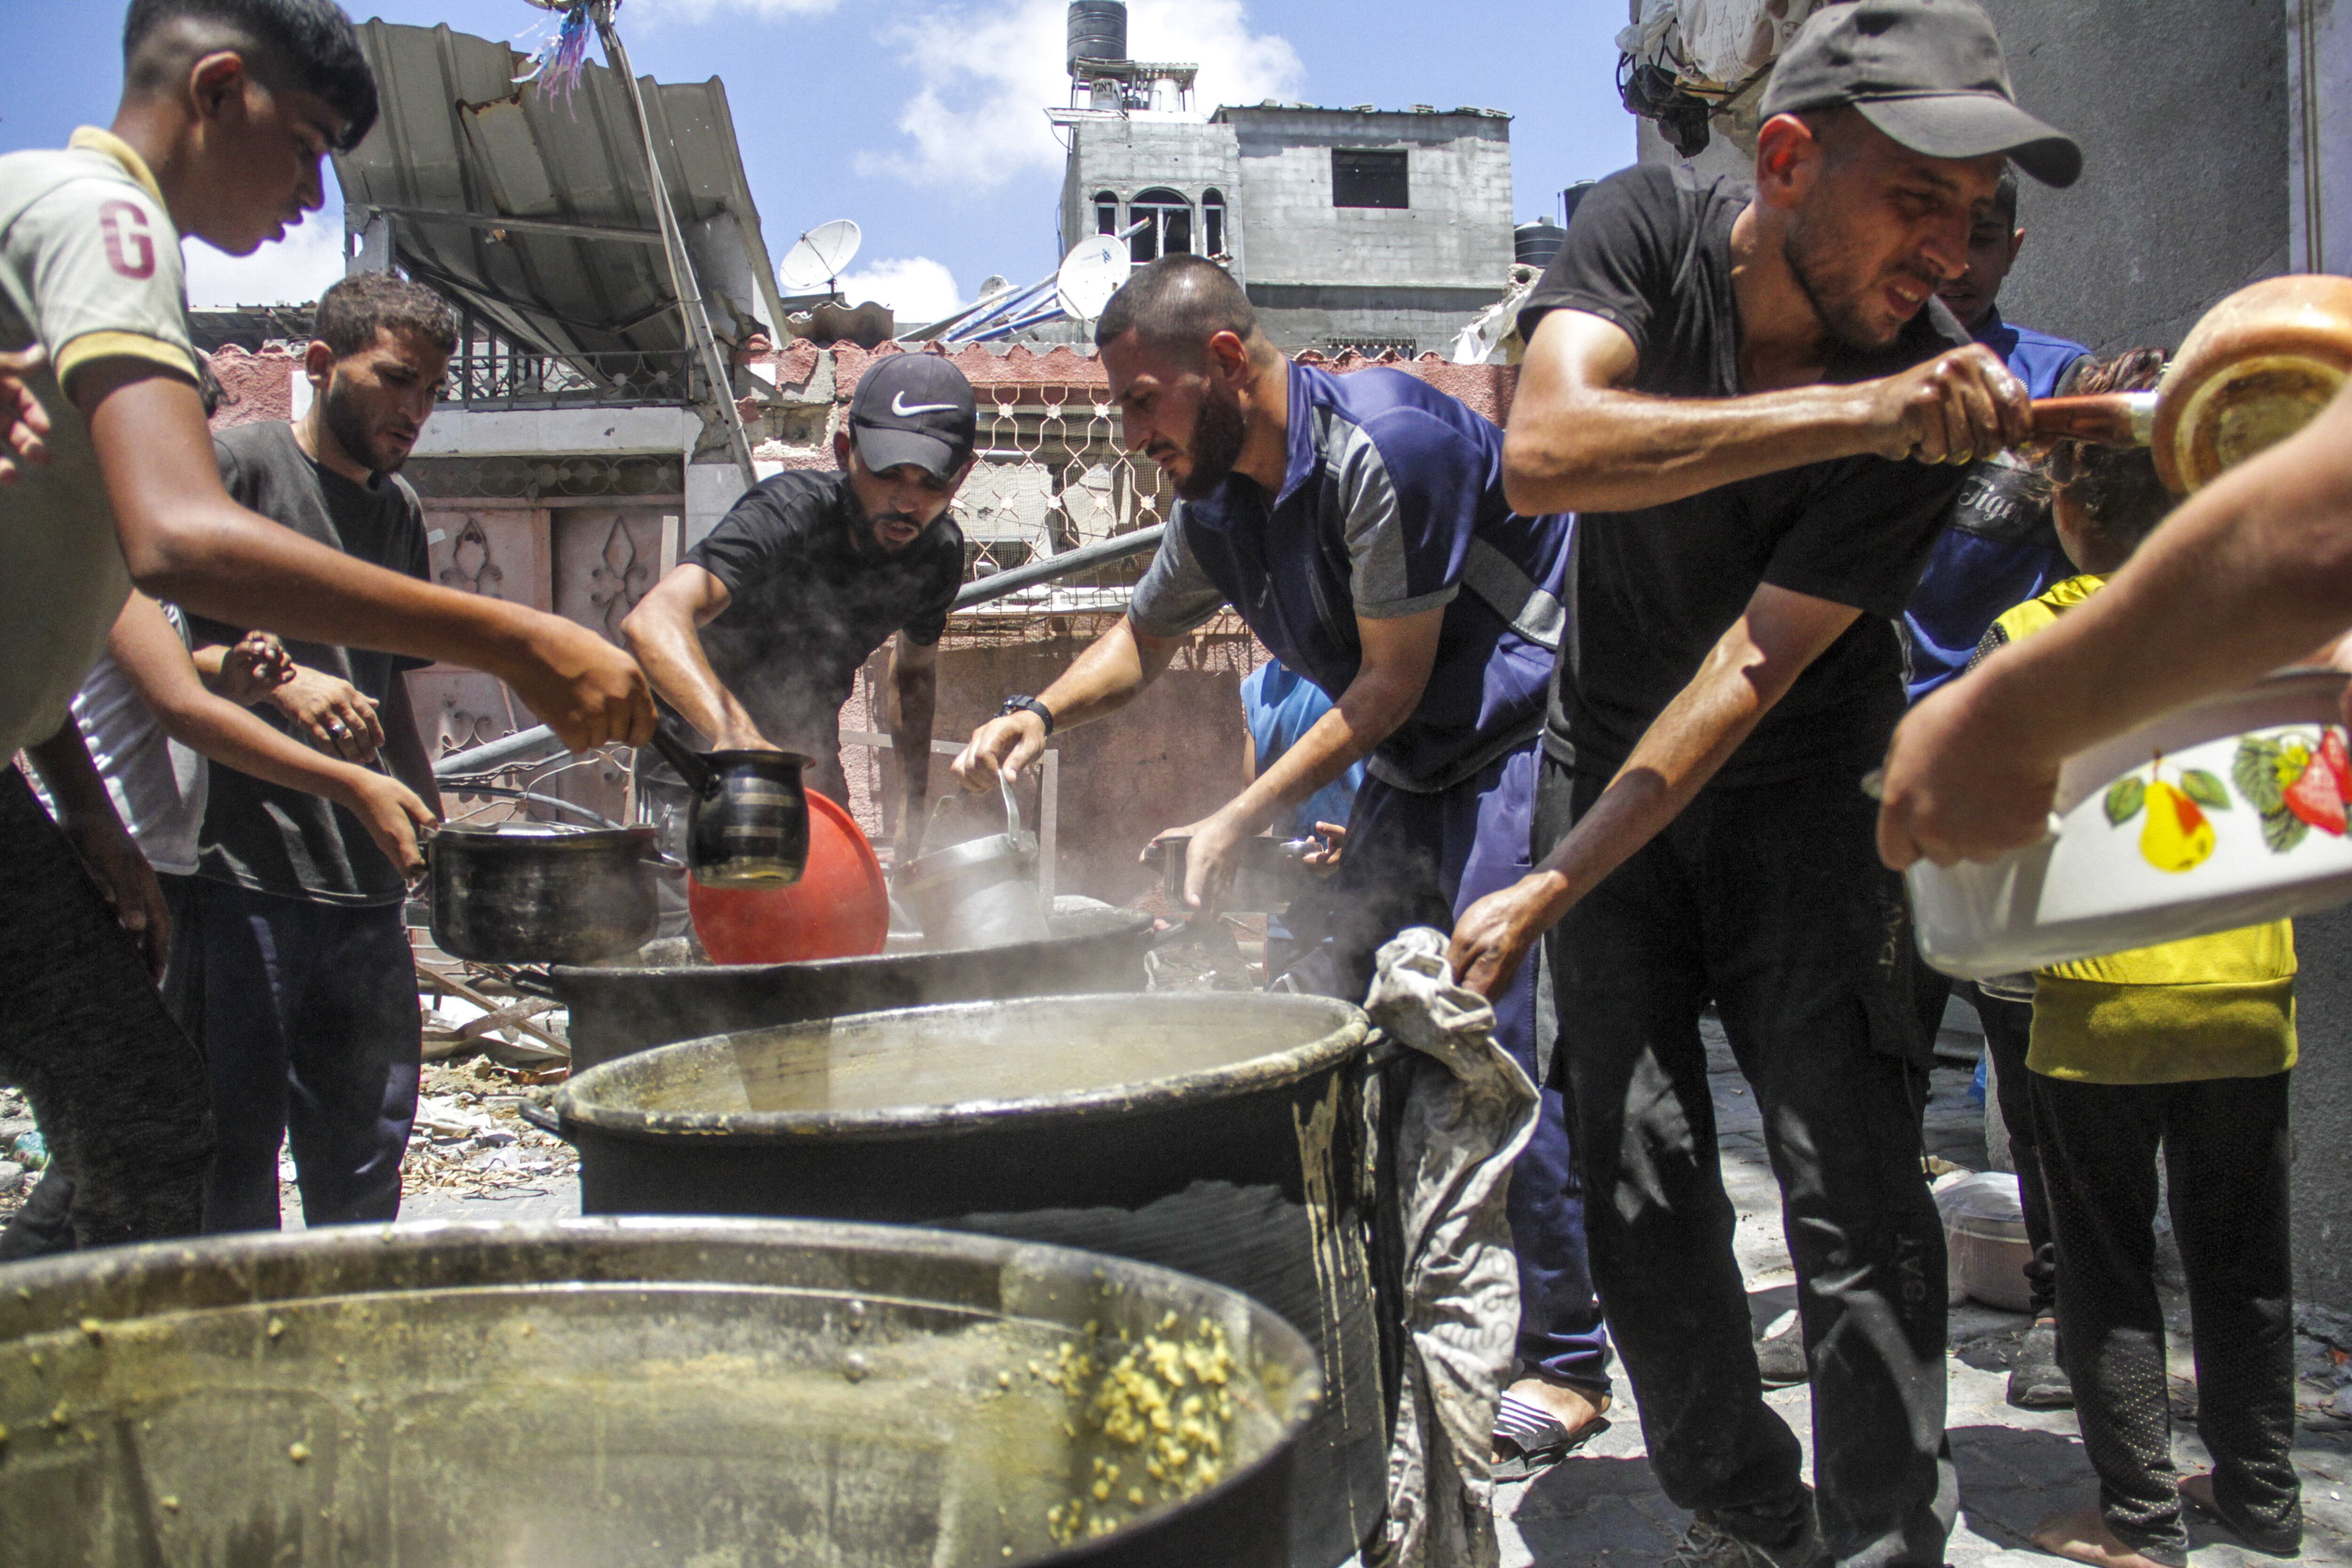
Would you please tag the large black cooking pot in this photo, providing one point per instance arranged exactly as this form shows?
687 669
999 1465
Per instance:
594 1392
541 892
1216 1133
615 1011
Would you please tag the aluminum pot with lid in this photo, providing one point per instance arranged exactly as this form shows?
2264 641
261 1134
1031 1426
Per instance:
542 893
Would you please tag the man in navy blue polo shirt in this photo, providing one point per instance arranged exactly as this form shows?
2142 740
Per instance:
1357 524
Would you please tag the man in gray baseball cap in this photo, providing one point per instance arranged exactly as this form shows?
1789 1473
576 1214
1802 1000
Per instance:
1759 411
756 637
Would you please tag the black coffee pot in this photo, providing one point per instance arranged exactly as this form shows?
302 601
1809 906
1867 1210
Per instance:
749 825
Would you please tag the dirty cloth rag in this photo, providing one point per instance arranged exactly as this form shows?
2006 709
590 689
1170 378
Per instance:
1468 1110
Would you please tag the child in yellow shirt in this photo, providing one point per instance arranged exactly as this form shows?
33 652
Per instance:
2183 1048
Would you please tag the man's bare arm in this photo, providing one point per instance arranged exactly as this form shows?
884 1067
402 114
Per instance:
1751 668
157 664
2251 573
1577 441
665 633
184 539
1116 667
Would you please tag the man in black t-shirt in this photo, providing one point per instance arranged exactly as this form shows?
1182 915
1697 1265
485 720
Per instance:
305 994
1759 411
756 637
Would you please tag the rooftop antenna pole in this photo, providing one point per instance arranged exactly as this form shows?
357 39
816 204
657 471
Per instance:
700 338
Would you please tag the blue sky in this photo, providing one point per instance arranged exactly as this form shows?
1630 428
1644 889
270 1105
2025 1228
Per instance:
921 118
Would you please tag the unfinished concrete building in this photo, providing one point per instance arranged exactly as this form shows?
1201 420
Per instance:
1351 228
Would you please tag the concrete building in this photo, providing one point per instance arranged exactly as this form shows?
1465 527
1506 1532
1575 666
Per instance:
1357 228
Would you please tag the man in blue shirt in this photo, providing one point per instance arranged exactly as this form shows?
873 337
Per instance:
1280 706
1357 526
1998 547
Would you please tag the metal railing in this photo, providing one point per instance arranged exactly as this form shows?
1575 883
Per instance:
494 374
1054 478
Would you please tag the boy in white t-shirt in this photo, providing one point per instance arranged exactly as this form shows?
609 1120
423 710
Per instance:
227 108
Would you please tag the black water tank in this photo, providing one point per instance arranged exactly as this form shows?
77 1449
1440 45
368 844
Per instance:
1097 31
1538 242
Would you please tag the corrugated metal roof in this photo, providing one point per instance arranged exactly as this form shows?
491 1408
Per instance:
536 211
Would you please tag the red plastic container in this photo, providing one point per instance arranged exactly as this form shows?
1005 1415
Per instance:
839 908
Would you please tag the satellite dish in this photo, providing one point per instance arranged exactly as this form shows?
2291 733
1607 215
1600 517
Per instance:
818 257
1090 275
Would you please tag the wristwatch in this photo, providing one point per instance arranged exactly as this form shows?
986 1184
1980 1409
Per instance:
1027 705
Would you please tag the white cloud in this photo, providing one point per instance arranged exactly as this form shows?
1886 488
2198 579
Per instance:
294 271
917 289
990 72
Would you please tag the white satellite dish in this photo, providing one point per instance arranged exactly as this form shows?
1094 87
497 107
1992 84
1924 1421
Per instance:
818 257
1090 275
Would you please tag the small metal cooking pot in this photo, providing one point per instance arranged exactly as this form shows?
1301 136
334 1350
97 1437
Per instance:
1271 874
982 892
749 825
542 893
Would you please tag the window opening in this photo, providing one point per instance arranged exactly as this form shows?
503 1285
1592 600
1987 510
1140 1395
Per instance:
1106 213
1167 219
1363 178
1213 223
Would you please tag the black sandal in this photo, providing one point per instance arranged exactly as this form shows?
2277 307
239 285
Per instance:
1531 1439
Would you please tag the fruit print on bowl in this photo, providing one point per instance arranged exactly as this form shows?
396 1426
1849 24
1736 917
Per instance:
2179 835
2298 781
2229 814
2231 811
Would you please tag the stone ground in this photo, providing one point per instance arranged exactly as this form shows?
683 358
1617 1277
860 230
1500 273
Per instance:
1604 1508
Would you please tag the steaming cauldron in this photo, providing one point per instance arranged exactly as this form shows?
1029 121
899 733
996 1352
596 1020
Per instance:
615 1011
1216 1133
600 1392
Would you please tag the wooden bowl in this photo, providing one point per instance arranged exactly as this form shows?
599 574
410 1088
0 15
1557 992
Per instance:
2258 368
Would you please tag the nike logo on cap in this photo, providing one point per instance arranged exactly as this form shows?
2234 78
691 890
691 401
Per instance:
906 410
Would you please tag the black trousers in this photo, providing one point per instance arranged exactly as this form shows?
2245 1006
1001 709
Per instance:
2007 1031
119 1090
309 1019
1770 901
2225 1147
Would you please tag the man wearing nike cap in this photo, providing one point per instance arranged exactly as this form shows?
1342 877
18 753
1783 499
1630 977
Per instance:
756 637
1760 411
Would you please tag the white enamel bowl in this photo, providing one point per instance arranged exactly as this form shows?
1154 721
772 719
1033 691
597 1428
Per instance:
2128 867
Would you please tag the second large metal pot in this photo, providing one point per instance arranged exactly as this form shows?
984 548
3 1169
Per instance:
541 893
1218 1134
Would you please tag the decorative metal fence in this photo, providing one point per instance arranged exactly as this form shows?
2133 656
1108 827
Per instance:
1054 476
